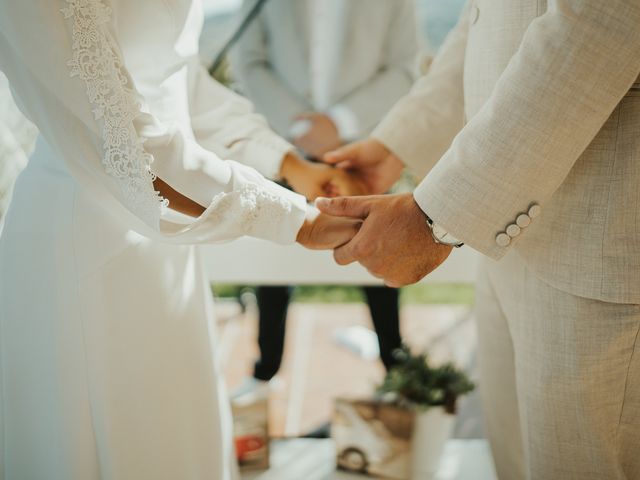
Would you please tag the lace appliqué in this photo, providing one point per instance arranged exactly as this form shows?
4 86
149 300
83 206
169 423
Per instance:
252 208
96 61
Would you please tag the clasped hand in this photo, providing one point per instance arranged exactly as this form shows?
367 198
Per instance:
314 180
387 234
393 241
321 231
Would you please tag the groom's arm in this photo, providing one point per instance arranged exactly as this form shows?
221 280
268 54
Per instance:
421 126
574 65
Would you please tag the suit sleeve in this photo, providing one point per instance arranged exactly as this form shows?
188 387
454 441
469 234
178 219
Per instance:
574 65
71 81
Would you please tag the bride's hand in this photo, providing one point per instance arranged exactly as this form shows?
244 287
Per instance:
315 180
324 232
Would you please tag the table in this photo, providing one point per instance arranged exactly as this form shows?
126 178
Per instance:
253 261
312 459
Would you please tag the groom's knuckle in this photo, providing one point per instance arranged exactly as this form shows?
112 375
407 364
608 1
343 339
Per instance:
362 249
375 265
415 277
377 272
340 258
342 203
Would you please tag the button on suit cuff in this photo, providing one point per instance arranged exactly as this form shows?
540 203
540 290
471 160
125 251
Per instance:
452 217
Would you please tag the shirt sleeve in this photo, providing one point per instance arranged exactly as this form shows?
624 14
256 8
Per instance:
575 63
226 123
71 81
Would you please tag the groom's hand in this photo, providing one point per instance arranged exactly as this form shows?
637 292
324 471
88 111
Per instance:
394 242
377 167
321 136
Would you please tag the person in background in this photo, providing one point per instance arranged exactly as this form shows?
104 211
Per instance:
324 74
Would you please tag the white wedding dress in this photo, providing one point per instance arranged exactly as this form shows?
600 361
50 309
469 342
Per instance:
107 362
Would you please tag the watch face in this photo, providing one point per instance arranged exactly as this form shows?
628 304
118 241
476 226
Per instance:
443 236
439 232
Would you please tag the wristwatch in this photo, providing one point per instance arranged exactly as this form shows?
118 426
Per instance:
441 236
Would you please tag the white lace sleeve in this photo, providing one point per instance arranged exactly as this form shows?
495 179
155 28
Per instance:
71 81
109 89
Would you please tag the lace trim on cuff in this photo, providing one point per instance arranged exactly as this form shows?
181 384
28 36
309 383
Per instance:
96 61
254 209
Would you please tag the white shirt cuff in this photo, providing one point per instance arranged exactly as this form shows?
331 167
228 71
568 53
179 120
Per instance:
346 122
265 152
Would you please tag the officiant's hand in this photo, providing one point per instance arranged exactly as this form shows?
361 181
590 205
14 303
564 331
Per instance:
325 232
394 242
377 167
320 136
315 180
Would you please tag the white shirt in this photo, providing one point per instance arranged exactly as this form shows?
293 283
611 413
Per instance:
326 24
357 56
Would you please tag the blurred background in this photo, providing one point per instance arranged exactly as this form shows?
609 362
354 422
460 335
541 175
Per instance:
435 19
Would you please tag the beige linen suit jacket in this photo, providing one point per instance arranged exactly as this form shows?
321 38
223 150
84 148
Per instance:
528 103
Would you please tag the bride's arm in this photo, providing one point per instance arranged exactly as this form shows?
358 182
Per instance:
71 81
225 122
318 232
178 202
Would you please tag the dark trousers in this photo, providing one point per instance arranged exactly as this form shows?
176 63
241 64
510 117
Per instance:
273 303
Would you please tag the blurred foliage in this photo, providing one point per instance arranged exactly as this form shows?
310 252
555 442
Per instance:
413 382
421 294
439 293
223 73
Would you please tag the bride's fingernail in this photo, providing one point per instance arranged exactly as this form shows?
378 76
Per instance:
322 202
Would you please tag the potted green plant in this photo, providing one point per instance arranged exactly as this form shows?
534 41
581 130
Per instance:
432 392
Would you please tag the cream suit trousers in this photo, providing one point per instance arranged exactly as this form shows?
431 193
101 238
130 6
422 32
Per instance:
560 378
